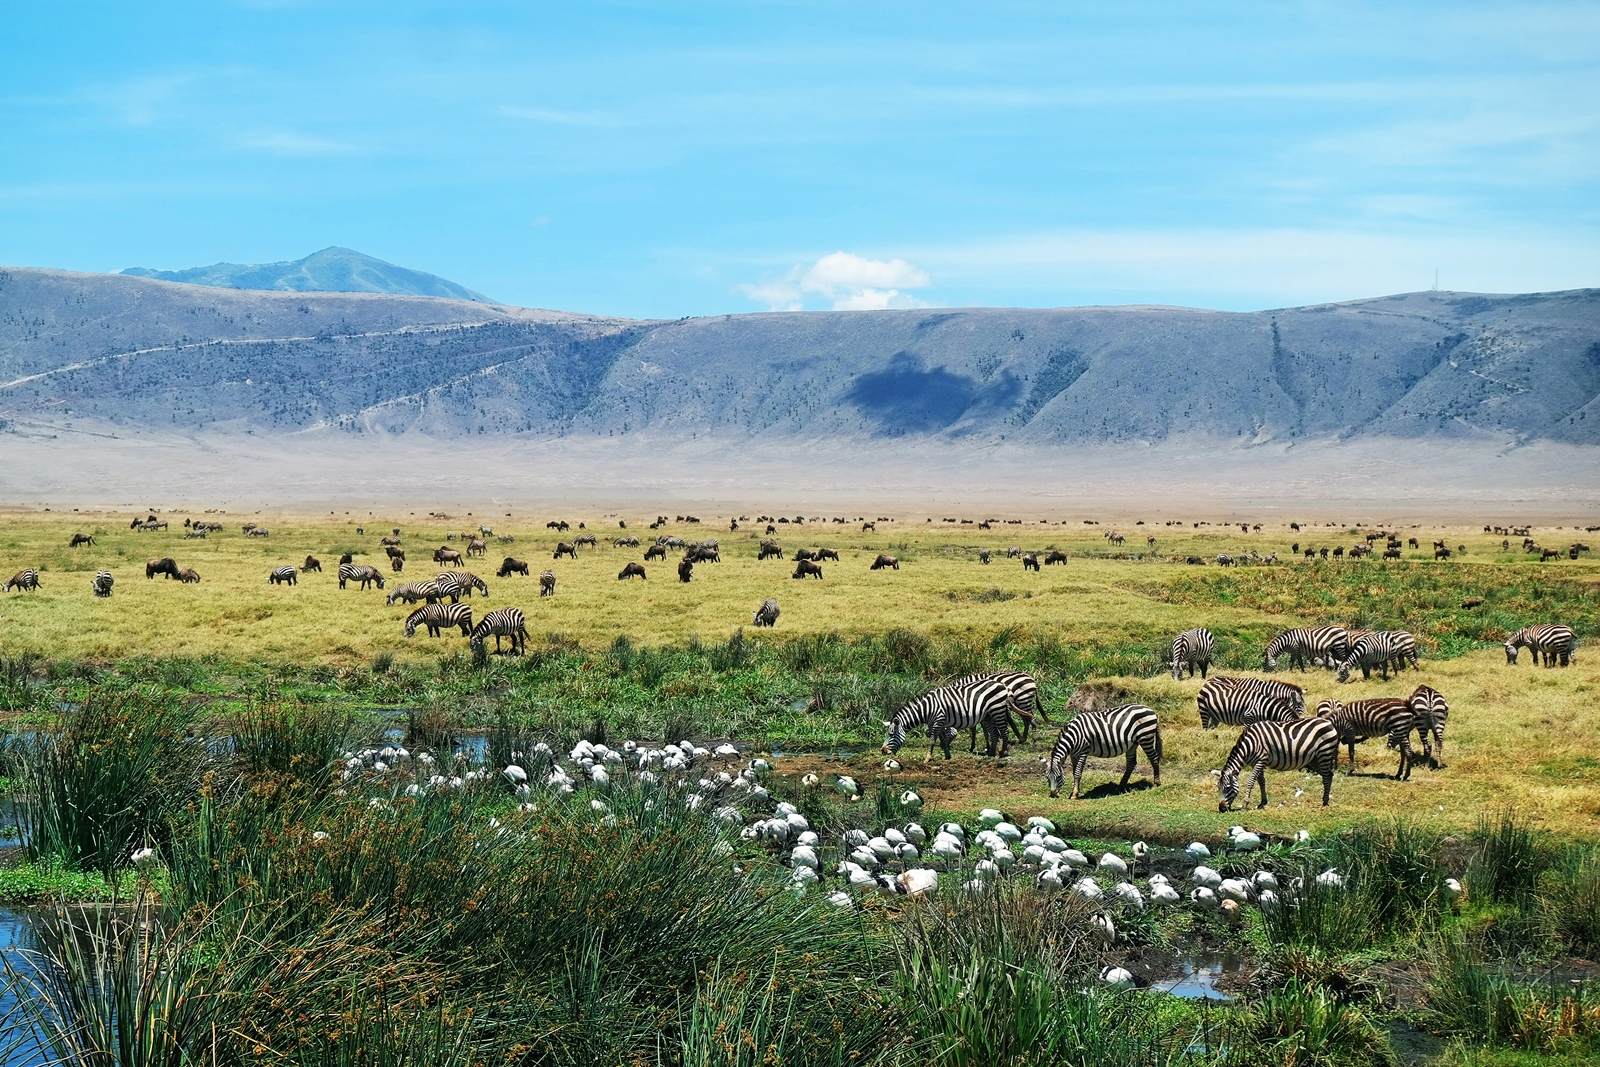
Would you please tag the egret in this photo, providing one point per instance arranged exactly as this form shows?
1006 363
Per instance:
990 818
1050 878
1205 898
918 882
1119 977
1039 822
915 834
847 785
1087 888
1198 850
1205 876
910 800
1113 863
1129 893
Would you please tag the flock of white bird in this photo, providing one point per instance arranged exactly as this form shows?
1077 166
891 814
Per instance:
903 860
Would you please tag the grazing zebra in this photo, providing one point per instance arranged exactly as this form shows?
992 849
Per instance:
24 580
766 614
1190 649
1321 645
1024 698
1240 701
458 584
1103 734
359 572
949 709
1550 642
1388 717
547 583
1303 745
284 576
1430 711
1379 649
438 616
411 592
102 583
502 622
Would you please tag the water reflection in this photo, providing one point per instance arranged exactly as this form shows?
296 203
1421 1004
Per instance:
1200 977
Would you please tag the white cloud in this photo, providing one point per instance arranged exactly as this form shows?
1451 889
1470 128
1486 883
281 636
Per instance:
850 282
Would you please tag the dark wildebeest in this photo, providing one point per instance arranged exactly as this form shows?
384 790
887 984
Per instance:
346 558
1057 556
656 552
510 566
1439 553
189 575
547 583
769 549
884 560
804 567
1013 552
388 542
625 542
81 539
394 553
447 555
827 553
771 529
869 526
166 565
685 569
564 549
766 614
557 524
312 563
803 554
630 570
397 564
1030 561
983 555
703 554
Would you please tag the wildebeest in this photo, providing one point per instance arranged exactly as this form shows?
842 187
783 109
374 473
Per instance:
397 564
630 570
447 555
869 526
346 558
656 552
685 569
1056 556
983 555
189 575
804 567
81 539
766 614
312 563
557 524
703 554
510 566
1030 561
884 560
388 542
166 565
565 549
625 542
827 553
803 554
547 583
1441 553
394 553
771 529
1013 552
769 549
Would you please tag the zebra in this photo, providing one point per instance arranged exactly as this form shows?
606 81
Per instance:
1104 734
947 709
502 622
285 576
1389 717
1192 647
547 583
437 617
359 572
1430 712
1024 696
766 614
1379 649
458 584
24 580
102 583
1322 645
1550 642
411 592
1239 701
1304 744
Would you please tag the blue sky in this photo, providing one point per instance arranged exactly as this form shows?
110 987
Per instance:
683 159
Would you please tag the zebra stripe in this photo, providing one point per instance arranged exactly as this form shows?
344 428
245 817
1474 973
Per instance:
1025 700
1550 642
947 710
1103 734
1240 701
1387 717
503 622
1190 649
1320 645
1379 649
1305 744
1430 712
24 580
458 584
102 583
411 592
437 617
284 576
358 572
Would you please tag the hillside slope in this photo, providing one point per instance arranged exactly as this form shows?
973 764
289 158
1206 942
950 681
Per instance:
332 270
135 353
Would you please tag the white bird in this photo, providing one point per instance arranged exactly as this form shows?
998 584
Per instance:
798 823
1330 879
919 881
1008 831
515 774
1246 841
1050 878
1267 900
954 829
1129 893
853 838
1264 880
808 838
598 775
1234 889
1004 858
1033 854
1205 898
1039 822
1302 836
760 766
865 857
907 852
804 876
859 879
946 848
977 885
727 814
1075 858
1452 889
894 837
1198 850
1103 928
810 780
804 856
847 785
1141 854
839 898
726 749
910 800
1159 879
143 856
1087 888
1163 894
891 765
1113 863
881 848
915 834
1033 837
990 818
600 806
986 870
1054 843
1205 876
1120 977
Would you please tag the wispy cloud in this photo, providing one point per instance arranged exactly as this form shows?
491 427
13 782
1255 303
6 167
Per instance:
851 282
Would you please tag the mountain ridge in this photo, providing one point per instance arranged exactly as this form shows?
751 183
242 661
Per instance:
329 270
